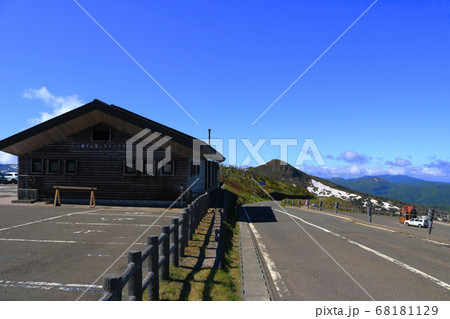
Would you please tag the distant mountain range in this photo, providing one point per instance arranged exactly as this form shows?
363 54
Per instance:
5 168
403 188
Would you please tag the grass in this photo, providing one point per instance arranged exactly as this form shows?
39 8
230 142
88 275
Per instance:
239 182
191 282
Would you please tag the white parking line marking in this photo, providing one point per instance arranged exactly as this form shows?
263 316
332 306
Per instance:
101 224
379 254
105 255
128 215
118 219
88 231
47 219
64 241
143 233
48 285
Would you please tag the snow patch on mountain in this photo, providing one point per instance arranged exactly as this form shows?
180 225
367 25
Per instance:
321 189
389 206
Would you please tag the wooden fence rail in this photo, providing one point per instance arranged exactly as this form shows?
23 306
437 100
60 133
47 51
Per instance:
161 252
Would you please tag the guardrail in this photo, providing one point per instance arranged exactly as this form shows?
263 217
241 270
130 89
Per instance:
161 252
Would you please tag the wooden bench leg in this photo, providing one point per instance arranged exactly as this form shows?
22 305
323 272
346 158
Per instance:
92 201
56 196
57 201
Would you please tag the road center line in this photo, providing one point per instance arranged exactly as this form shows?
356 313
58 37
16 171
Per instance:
377 253
324 250
311 211
437 242
380 228
317 243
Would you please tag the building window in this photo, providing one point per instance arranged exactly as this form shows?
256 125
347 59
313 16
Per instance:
168 169
37 166
71 167
101 134
53 166
129 171
147 173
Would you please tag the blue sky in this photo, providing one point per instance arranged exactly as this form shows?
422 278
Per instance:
375 103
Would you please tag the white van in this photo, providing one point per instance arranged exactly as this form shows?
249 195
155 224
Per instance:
12 178
419 222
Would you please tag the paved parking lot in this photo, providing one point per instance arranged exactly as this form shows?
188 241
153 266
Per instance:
56 253
8 190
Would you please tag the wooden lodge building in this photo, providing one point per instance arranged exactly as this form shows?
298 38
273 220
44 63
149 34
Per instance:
87 148
407 213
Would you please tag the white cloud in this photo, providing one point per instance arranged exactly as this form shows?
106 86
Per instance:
441 166
6 158
399 162
350 156
347 171
432 172
396 171
59 104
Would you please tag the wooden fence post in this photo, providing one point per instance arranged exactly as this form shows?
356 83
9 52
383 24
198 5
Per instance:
112 283
152 267
165 251
197 215
175 257
185 233
191 222
135 282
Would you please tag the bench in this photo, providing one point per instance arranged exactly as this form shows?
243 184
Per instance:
57 201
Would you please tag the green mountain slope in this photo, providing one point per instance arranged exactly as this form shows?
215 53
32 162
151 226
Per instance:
240 181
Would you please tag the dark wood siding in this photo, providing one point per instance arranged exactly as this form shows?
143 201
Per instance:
101 165
196 181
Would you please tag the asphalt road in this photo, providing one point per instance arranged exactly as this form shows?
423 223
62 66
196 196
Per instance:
321 256
57 253
8 190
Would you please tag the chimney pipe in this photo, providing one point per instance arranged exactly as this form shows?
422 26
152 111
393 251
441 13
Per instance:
209 137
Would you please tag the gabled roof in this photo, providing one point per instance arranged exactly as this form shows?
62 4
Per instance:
408 209
89 115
